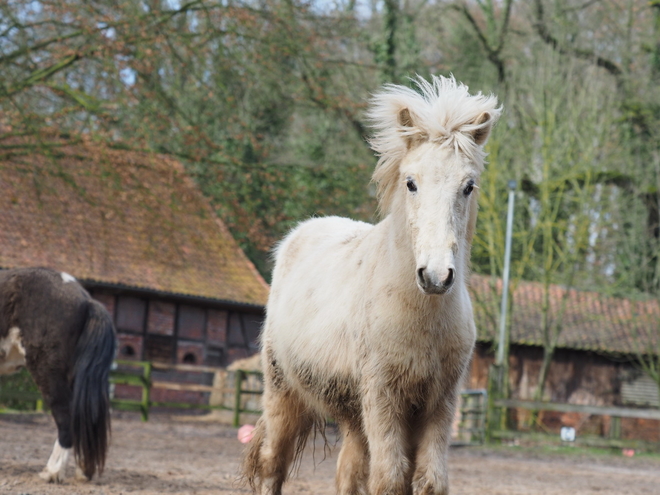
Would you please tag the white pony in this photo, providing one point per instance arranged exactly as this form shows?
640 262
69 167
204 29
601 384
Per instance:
372 325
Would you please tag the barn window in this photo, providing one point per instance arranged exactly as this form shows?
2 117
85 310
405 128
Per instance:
129 346
216 327
130 314
252 325
128 351
190 352
189 358
161 318
236 337
191 322
639 390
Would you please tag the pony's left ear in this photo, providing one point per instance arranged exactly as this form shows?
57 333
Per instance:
482 126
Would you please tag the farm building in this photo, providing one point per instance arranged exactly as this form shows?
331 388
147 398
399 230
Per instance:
596 360
139 235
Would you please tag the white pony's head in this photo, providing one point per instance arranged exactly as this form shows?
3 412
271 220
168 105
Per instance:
430 144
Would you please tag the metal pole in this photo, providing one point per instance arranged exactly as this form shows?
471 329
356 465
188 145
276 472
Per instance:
505 275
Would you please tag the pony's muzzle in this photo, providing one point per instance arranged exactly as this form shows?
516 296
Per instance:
432 282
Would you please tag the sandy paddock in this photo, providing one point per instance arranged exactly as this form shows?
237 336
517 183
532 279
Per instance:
171 455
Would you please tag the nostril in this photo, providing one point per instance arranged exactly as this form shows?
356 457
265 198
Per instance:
450 278
420 275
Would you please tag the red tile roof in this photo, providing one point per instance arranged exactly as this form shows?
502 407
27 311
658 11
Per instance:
119 217
591 321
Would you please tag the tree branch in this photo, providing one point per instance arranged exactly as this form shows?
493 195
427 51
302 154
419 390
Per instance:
544 33
27 49
40 75
493 54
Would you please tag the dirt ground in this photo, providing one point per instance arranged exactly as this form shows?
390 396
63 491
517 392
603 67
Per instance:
174 455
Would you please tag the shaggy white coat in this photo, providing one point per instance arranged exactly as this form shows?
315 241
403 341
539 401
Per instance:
372 325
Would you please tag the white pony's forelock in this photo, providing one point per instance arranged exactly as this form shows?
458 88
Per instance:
441 109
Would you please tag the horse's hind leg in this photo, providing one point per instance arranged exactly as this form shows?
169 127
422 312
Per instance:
352 463
55 470
282 429
58 396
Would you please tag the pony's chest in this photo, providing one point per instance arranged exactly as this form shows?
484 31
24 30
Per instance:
422 359
405 338
420 354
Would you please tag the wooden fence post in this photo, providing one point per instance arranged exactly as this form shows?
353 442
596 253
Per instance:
495 416
146 391
237 397
615 427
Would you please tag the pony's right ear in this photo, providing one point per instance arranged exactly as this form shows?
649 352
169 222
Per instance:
411 134
405 119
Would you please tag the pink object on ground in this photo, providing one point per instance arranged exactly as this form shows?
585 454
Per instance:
245 433
628 452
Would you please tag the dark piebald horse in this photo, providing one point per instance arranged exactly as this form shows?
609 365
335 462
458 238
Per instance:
51 325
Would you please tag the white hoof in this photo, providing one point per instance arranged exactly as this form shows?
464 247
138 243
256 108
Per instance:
57 477
55 470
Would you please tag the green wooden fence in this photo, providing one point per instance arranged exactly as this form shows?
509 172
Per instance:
611 440
472 423
239 382
140 374
134 373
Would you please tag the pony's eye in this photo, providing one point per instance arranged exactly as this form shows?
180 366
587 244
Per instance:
468 189
410 184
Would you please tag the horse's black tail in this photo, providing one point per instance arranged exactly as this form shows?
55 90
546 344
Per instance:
90 408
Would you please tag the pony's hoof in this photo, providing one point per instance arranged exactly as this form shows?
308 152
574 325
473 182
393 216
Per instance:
430 489
80 475
56 477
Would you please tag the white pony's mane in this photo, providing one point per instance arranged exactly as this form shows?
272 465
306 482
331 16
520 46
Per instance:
441 110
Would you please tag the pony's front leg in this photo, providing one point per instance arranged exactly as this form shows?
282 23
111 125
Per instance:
389 465
273 447
352 463
430 477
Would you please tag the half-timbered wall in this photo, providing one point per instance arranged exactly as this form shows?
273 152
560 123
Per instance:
168 331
